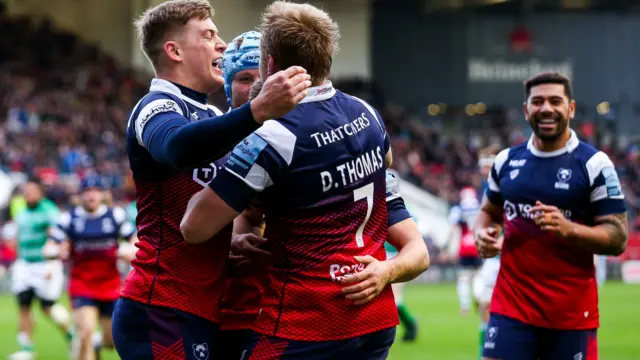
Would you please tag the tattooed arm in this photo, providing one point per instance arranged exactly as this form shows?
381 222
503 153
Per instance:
607 237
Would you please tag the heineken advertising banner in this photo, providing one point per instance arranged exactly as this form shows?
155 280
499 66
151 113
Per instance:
495 71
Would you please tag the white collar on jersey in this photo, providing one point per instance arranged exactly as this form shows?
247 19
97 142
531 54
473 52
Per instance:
319 93
571 145
166 86
101 210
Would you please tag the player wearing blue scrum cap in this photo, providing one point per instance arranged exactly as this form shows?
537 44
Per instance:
241 299
240 66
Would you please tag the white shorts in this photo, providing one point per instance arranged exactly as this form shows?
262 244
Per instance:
485 280
26 275
398 292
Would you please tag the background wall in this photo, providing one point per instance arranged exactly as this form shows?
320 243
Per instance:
464 58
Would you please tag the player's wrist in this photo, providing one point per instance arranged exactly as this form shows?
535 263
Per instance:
234 247
572 230
393 270
258 110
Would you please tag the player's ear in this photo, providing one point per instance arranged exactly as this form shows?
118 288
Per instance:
173 51
271 65
526 111
572 109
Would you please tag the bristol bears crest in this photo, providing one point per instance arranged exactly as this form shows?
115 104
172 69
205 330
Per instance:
201 351
204 175
564 175
492 333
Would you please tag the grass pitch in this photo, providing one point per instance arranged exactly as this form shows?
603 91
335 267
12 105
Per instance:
444 334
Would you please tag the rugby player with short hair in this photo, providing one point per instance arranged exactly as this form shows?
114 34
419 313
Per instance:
319 173
35 275
169 305
89 235
241 301
462 216
560 202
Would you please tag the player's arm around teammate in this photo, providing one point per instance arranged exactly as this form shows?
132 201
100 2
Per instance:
192 58
412 258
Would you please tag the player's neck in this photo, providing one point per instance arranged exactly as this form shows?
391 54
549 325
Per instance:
552 145
32 206
177 79
90 211
94 212
315 81
318 82
192 94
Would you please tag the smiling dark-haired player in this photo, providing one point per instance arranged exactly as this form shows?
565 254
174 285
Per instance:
560 202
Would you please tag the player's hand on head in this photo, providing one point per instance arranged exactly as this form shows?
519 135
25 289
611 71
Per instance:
550 218
487 242
280 93
251 247
368 283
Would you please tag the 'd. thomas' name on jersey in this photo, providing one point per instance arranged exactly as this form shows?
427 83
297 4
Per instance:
354 170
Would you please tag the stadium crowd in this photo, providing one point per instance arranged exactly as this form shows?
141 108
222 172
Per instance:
63 104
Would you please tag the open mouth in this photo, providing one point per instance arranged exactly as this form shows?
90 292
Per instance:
217 63
547 124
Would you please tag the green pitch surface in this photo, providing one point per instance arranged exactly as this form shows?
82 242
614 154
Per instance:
444 334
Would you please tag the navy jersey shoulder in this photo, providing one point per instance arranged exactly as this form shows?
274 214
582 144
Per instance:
578 179
107 225
330 144
164 102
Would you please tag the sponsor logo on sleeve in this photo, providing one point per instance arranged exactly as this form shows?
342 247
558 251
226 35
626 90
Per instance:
245 154
612 182
165 106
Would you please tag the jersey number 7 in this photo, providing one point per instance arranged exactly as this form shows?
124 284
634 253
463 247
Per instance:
365 192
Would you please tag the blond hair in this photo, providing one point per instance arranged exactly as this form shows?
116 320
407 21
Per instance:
299 34
157 22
